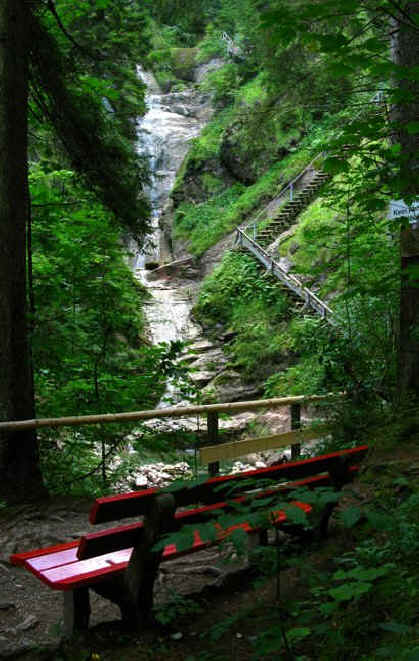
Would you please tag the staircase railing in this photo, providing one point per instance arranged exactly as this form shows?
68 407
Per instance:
299 176
293 283
244 240
378 99
289 187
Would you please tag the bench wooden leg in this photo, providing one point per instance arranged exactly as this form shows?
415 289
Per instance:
323 528
339 476
76 611
263 537
144 562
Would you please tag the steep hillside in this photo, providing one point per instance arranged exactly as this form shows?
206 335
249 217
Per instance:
233 176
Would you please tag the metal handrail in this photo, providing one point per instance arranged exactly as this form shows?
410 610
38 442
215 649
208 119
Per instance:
289 186
379 97
299 176
288 279
268 261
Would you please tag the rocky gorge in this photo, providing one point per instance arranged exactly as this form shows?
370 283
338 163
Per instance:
171 275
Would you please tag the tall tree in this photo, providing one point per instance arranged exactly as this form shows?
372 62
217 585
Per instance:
405 52
19 469
31 55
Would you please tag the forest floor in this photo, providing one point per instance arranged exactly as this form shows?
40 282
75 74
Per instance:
210 610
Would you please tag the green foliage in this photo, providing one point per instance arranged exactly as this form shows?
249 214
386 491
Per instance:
315 57
172 65
93 118
186 21
176 607
350 609
352 585
236 294
221 213
86 340
204 223
88 353
212 45
223 83
208 144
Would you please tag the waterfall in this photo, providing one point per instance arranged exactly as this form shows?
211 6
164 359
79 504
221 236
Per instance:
164 134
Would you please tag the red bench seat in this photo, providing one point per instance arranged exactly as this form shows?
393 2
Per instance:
61 569
99 559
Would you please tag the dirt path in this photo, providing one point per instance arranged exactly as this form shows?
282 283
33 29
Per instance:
31 613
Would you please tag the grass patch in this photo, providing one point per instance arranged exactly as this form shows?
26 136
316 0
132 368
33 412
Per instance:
203 224
253 92
312 246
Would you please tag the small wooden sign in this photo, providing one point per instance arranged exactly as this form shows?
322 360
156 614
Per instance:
236 449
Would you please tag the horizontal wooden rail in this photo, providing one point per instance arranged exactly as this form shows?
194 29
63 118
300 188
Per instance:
225 451
170 412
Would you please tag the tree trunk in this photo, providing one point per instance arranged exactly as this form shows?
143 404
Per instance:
19 468
405 49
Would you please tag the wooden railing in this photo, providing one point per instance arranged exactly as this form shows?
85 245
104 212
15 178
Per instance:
213 451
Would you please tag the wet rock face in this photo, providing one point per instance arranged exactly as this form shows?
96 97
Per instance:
154 475
184 63
207 366
191 189
164 134
228 386
202 70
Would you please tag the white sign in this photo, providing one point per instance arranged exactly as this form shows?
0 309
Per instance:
399 209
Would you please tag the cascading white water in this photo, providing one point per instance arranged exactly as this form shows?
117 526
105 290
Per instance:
164 135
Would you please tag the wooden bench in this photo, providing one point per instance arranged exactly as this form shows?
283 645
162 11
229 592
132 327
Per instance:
121 563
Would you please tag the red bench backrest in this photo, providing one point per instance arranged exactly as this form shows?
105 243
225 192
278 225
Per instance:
216 489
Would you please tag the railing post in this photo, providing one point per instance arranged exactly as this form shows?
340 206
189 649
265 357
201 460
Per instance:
295 411
212 436
103 466
291 191
254 231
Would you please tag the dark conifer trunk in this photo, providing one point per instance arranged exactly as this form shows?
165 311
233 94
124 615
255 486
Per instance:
19 468
406 53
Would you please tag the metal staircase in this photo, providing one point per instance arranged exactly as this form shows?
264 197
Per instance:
309 298
283 219
291 209
304 297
